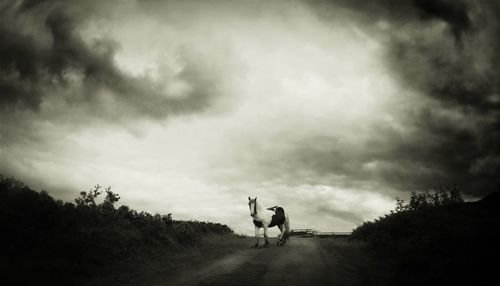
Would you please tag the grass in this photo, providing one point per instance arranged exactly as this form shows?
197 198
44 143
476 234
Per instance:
210 248
354 263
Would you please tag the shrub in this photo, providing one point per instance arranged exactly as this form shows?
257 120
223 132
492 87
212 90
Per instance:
435 236
64 243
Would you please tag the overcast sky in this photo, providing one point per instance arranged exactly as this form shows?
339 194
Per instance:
327 108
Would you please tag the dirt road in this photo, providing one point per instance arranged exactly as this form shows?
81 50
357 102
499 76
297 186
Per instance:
300 262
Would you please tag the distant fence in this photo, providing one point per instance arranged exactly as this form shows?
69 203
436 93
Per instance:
312 232
303 232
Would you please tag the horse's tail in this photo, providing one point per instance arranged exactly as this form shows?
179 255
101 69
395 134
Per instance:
286 234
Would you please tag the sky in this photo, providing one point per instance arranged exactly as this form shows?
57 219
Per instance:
330 109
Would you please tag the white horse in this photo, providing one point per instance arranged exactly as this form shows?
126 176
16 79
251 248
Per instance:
275 216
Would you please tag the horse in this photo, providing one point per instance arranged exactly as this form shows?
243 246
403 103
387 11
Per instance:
274 216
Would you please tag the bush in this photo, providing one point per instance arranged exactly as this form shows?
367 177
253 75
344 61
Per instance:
436 238
66 243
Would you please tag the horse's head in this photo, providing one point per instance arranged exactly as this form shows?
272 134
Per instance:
252 205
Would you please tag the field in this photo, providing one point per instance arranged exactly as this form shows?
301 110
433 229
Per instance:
432 239
303 261
164 270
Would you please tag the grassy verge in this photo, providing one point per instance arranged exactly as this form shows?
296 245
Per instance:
354 263
161 269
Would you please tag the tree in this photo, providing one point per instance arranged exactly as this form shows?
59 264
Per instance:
88 199
110 199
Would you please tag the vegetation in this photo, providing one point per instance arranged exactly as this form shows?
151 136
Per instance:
436 237
48 241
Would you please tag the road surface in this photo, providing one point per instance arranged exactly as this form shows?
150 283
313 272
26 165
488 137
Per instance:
300 262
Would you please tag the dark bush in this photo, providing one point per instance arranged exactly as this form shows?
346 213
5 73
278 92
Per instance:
436 238
65 244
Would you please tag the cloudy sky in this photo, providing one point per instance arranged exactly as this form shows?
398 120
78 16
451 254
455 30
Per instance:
328 108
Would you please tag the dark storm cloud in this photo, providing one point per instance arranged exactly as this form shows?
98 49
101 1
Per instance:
43 54
448 52
459 65
461 74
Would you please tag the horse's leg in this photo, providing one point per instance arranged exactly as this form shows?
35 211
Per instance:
256 237
266 243
280 240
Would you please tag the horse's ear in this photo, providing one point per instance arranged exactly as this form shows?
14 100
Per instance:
249 199
255 198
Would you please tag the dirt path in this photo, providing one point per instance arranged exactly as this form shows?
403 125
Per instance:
298 263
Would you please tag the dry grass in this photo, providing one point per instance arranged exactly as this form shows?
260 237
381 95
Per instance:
353 262
210 248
